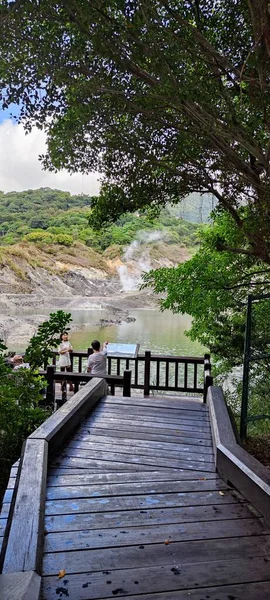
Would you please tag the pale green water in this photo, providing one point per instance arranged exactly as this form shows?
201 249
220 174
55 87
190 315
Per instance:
162 333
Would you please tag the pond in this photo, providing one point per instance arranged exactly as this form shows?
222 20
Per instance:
162 333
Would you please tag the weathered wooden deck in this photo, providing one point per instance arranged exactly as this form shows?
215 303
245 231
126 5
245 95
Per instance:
136 509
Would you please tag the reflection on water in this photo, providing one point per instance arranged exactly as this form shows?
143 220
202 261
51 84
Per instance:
162 333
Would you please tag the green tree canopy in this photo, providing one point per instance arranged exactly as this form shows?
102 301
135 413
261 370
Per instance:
213 287
164 97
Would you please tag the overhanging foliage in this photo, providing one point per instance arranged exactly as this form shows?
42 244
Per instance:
165 97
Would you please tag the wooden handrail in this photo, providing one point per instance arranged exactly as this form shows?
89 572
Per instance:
158 372
53 376
233 463
21 558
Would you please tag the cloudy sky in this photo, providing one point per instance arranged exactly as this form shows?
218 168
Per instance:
20 168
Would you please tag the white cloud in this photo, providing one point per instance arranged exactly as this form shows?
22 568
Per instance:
20 168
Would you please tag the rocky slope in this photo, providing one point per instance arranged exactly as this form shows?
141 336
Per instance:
56 270
56 277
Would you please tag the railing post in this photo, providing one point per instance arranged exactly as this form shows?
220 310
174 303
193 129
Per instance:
127 383
50 386
208 379
147 362
71 360
207 383
89 352
64 392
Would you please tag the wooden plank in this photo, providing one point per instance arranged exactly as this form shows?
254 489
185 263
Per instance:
59 425
103 504
6 501
149 411
7 497
111 441
13 471
148 420
246 591
110 478
220 421
176 403
125 423
140 429
5 510
102 465
233 462
148 435
156 554
174 576
3 523
151 534
131 489
159 402
140 457
24 546
11 483
151 516
88 450
89 446
9 492
247 474
20 586
127 461
194 552
62 470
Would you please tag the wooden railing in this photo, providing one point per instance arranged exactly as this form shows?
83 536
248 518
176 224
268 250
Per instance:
22 550
152 372
233 463
76 379
208 379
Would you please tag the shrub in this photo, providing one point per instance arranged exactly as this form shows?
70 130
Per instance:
20 393
46 339
39 236
64 239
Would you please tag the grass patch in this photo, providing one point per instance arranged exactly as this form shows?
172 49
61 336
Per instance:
114 251
15 268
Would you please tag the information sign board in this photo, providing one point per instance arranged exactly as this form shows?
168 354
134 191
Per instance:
123 350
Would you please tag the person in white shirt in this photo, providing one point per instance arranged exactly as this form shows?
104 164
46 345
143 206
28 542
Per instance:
96 364
19 363
64 350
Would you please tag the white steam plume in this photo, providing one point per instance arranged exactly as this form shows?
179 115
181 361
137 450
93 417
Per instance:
137 263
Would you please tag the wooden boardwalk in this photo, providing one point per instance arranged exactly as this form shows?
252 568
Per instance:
135 509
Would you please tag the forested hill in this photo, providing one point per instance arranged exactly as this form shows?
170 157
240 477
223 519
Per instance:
24 212
55 212
49 230
51 216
